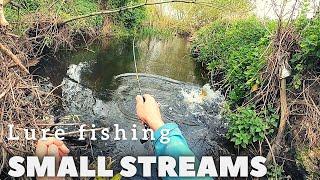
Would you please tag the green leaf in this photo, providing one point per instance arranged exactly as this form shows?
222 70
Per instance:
238 141
255 139
116 177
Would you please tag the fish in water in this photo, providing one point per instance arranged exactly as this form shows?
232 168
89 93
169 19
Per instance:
199 96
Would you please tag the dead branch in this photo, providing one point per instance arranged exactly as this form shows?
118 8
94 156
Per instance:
128 8
8 52
4 92
22 101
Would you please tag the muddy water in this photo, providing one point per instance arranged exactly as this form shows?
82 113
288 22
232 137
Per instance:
98 85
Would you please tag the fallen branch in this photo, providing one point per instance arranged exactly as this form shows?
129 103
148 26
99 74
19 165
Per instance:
271 152
127 8
7 52
60 124
76 132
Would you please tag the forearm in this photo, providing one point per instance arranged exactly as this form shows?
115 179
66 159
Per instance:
176 147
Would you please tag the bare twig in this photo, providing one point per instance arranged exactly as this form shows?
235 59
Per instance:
76 132
7 52
130 7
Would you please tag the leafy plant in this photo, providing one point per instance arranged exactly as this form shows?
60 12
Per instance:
275 172
246 126
308 57
236 49
129 20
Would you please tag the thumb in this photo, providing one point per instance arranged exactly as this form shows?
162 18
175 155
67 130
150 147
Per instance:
139 105
139 100
41 150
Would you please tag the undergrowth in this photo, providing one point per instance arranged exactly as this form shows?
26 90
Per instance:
126 23
19 18
246 126
308 56
236 52
235 49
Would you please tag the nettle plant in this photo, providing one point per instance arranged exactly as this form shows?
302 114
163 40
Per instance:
246 126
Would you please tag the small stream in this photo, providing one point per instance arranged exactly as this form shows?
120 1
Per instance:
108 58
98 84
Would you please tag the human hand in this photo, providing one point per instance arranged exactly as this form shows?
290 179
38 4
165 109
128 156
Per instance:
148 111
52 147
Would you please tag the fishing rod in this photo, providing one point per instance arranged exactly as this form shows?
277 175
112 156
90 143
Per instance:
146 126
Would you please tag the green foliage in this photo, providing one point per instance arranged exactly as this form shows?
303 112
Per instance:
155 32
15 16
184 18
246 126
309 55
308 158
237 49
71 9
128 19
275 172
19 19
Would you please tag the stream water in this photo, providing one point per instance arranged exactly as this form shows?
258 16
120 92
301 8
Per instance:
105 59
98 84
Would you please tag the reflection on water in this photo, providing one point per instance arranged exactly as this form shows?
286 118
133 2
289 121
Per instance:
168 58
104 60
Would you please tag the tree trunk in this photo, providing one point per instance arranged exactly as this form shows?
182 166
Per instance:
3 21
276 147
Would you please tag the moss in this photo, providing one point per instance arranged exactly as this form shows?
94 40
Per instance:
309 159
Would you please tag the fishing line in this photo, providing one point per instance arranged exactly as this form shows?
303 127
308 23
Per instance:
135 66
146 126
